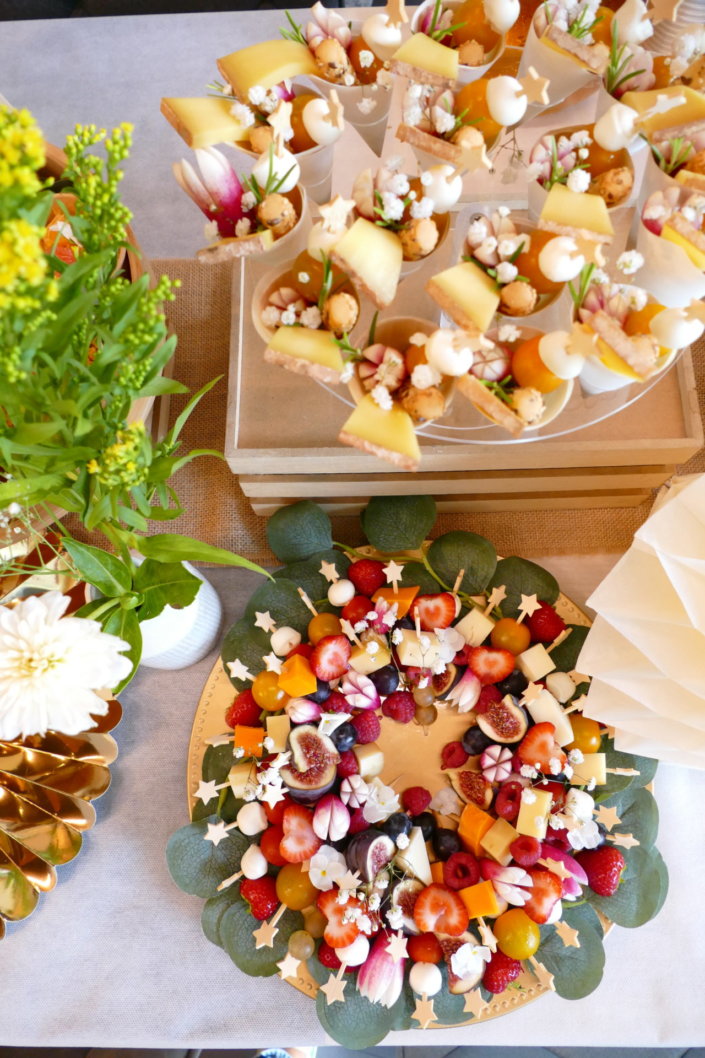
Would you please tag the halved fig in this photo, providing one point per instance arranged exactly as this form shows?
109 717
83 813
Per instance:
404 895
368 852
504 722
312 771
471 786
458 986
443 681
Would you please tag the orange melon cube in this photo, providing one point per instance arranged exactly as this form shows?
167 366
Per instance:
403 597
474 824
437 871
480 900
249 739
296 677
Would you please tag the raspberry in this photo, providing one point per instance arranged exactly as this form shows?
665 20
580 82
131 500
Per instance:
453 755
500 972
603 867
347 765
488 695
461 870
244 710
367 575
327 956
508 800
461 658
337 703
545 624
415 800
357 822
525 850
399 706
367 726
261 895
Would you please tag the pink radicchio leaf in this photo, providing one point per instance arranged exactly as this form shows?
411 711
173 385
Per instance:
359 691
324 24
595 299
189 182
381 978
283 90
570 886
221 182
302 710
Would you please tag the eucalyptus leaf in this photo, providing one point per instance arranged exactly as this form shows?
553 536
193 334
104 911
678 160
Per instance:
577 970
247 644
213 911
415 575
280 597
641 892
398 523
638 813
197 865
356 1023
104 571
236 929
644 766
162 584
450 553
448 1008
522 577
565 655
299 530
306 574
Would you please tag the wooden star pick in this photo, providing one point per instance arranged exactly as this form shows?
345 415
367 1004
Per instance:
238 671
458 581
568 935
486 936
348 630
272 662
607 816
556 867
531 693
663 104
289 966
216 832
473 158
334 115
206 791
334 987
397 946
350 880
227 882
396 12
625 841
329 571
495 598
664 10
559 639
623 771
424 1012
280 120
219 740
535 87
582 341
334 214
307 602
528 606
577 703
474 1003
264 935
393 572
542 975
265 621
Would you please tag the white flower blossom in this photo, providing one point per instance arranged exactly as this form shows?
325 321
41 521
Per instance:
311 317
366 105
506 272
630 262
392 205
347 373
365 58
257 94
422 208
289 317
397 636
374 901
395 917
210 230
508 333
248 201
443 120
528 796
423 376
243 114
382 397
242 227
469 960
326 868
575 756
578 180
527 771
402 841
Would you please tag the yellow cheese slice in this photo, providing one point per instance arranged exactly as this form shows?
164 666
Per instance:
425 53
372 257
302 343
696 256
563 51
389 434
574 209
533 814
614 362
693 109
203 122
266 64
467 294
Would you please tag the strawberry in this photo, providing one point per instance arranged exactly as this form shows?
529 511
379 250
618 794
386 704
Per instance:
337 933
603 867
367 575
357 609
539 749
488 695
261 895
327 957
490 664
545 624
439 910
300 841
461 658
330 657
500 972
244 710
434 611
558 794
547 888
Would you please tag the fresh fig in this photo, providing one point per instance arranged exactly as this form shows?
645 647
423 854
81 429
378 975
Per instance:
504 722
404 896
457 986
443 681
312 770
368 852
471 786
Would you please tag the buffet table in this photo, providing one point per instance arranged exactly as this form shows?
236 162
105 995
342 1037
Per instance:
115 955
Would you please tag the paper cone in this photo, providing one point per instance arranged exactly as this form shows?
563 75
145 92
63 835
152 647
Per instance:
317 171
373 126
667 273
565 73
466 74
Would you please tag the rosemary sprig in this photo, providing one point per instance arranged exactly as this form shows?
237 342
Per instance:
499 389
295 33
447 31
585 278
581 28
373 329
681 150
434 17
558 174
273 182
618 62
326 282
384 220
352 354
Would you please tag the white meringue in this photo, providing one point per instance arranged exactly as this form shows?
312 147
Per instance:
444 188
253 864
506 100
425 979
553 351
381 35
284 639
673 330
341 592
315 120
560 259
616 128
279 165
501 14
450 352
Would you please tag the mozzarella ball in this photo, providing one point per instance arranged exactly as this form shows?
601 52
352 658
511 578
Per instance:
321 241
253 863
278 165
381 36
444 187
501 14
251 819
284 639
560 259
616 128
341 592
673 330
450 352
314 117
425 978
506 100
553 350
356 953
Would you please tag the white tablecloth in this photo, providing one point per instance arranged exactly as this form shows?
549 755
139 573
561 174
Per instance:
115 955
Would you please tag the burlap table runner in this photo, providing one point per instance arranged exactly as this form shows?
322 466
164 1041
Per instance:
215 509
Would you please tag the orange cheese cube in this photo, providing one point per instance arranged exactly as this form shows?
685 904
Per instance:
249 739
437 871
403 598
296 677
474 824
480 900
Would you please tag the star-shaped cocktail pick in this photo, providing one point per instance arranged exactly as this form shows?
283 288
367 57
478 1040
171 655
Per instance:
495 598
486 935
227 882
625 841
219 740
582 341
280 120
216 832
329 571
529 605
568 935
272 662
542 975
272 796
663 104
535 87
206 791
334 115
473 157
561 638
607 816
330 722
397 946
424 1012
350 880
334 987
532 691
334 214
664 10
458 581
264 935
577 703
556 867
265 621
394 573
348 630
289 966
396 12
238 671
623 771
307 602
474 1003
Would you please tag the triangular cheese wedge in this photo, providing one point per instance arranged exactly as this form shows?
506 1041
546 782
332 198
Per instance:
388 434
204 122
372 256
427 61
306 352
467 294
266 64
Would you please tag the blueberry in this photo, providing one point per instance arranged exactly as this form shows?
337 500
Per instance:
406 622
344 737
386 679
396 824
427 823
321 692
515 684
445 843
475 741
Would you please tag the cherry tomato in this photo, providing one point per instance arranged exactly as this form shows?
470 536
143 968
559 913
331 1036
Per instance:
476 26
365 74
307 277
269 842
601 160
323 624
267 692
662 72
517 936
510 635
602 30
586 734
528 263
638 320
472 98
424 947
294 888
357 609
529 369
301 140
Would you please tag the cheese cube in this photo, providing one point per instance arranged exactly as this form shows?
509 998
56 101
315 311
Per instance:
533 813
384 432
249 739
535 663
414 858
437 871
297 678
480 900
370 760
241 776
475 627
366 659
545 709
301 349
467 294
592 766
497 840
574 209
474 824
372 257
420 651
278 728
402 598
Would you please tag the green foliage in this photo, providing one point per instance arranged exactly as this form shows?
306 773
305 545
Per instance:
450 553
247 643
644 766
235 930
398 523
198 865
416 575
280 597
298 531
577 971
522 577
565 655
213 911
306 573
356 1023
641 892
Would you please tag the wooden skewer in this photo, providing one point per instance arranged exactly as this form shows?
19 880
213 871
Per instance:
307 602
559 639
458 580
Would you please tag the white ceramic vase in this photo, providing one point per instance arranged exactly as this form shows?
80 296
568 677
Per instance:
175 639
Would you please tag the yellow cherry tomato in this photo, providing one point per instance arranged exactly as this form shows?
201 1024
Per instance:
586 734
602 30
662 72
517 935
471 102
601 160
294 887
301 140
528 369
528 263
365 74
323 624
510 635
267 692
476 27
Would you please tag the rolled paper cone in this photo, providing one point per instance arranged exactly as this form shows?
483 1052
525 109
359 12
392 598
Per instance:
654 179
466 74
373 126
317 171
291 244
667 273
565 73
